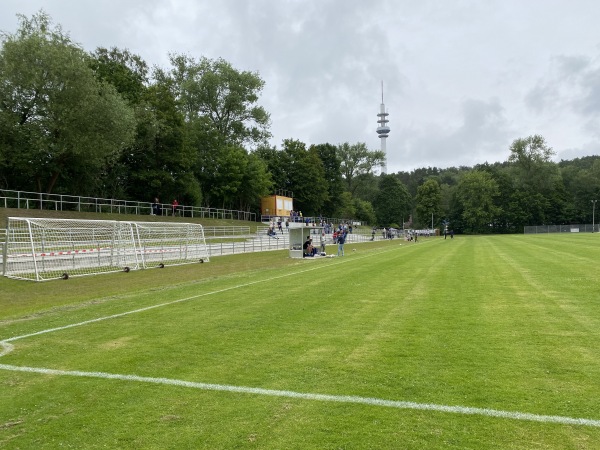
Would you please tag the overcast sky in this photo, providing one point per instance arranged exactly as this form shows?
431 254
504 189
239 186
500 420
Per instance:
462 79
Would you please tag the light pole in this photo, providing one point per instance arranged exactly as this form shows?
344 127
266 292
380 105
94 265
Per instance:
593 214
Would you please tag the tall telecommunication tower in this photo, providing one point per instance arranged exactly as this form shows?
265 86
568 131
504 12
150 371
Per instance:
383 130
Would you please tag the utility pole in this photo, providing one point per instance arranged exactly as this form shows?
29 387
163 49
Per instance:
594 215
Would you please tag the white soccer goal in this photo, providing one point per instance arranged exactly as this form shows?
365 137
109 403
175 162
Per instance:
162 243
44 249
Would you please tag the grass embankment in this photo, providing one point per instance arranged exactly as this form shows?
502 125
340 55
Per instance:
507 324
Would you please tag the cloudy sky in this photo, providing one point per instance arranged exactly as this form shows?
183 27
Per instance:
462 78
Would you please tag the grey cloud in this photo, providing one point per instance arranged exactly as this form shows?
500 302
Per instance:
483 135
541 97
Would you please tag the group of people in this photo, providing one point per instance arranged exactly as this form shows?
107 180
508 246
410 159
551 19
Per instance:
279 225
339 238
157 207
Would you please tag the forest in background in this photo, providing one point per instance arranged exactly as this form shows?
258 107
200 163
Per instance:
106 124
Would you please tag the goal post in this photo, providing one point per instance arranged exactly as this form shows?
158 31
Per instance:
43 249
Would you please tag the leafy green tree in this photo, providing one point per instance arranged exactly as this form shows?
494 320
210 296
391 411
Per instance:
300 172
256 183
346 208
126 71
417 177
61 127
429 197
393 202
219 108
366 186
476 193
306 177
364 211
335 186
534 172
356 160
240 180
226 97
581 178
277 163
156 164
529 154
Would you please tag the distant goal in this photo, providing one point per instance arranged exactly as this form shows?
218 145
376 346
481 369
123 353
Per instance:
45 249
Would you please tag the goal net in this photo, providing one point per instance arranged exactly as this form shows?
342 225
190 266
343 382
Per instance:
44 249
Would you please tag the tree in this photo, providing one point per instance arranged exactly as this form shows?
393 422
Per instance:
306 177
346 208
226 97
277 163
530 153
126 71
331 165
256 183
156 164
428 200
393 202
581 178
61 127
357 159
364 211
299 172
535 173
365 187
476 193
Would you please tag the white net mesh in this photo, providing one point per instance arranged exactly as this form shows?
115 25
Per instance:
43 249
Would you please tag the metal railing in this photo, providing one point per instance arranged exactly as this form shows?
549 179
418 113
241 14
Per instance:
59 202
579 228
265 218
232 231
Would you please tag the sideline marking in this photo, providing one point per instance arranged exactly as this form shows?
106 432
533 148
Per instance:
318 397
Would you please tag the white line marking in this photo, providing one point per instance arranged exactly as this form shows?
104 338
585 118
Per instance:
318 397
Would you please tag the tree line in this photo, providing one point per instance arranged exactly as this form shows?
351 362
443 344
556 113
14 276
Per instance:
106 124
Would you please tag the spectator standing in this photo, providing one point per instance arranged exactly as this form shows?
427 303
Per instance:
174 206
156 207
341 240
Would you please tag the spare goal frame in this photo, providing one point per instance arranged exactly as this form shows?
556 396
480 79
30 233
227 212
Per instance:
41 249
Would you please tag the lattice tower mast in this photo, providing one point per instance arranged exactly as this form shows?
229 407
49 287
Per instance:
383 130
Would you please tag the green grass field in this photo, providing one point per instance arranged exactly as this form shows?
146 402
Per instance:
471 343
